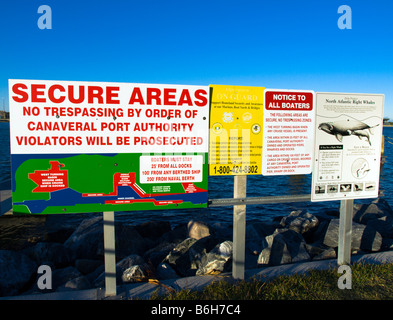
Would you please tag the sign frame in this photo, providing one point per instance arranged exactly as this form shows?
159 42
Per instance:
77 142
288 132
347 149
236 122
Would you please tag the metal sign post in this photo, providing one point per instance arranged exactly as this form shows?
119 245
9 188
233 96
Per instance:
345 232
239 228
110 253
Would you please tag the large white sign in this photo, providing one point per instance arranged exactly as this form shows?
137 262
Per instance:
347 152
288 132
98 117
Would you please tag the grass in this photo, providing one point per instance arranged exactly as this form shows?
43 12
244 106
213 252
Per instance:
369 282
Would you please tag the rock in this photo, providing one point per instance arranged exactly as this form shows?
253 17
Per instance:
59 235
153 229
177 234
387 244
378 215
314 250
164 272
274 255
20 232
300 221
132 269
79 283
329 253
135 273
363 237
198 229
216 260
320 252
222 231
177 256
199 249
61 276
126 271
283 246
255 235
86 266
87 240
16 271
49 253
383 225
374 210
260 229
129 261
129 241
187 256
95 275
157 254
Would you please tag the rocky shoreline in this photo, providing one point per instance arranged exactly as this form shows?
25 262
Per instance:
156 250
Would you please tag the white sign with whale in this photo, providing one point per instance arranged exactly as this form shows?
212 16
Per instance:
347 148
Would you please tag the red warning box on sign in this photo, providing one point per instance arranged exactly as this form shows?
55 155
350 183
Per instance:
50 180
289 100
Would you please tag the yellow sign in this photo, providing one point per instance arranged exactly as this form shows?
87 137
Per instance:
236 120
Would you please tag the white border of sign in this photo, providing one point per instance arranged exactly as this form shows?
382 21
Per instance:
347 149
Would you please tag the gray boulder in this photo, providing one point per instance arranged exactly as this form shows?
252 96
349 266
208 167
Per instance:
377 215
50 253
87 241
320 252
129 241
364 237
198 229
135 273
79 283
300 221
156 255
283 246
187 256
86 266
178 252
153 229
329 253
216 260
255 235
130 269
62 276
16 271
164 271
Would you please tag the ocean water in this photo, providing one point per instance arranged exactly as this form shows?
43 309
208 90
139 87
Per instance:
222 187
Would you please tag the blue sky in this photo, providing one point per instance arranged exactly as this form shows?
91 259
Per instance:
275 44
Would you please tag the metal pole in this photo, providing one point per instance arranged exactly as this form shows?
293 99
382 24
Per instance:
110 253
345 232
239 228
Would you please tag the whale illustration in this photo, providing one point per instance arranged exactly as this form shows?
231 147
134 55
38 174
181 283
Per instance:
346 128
